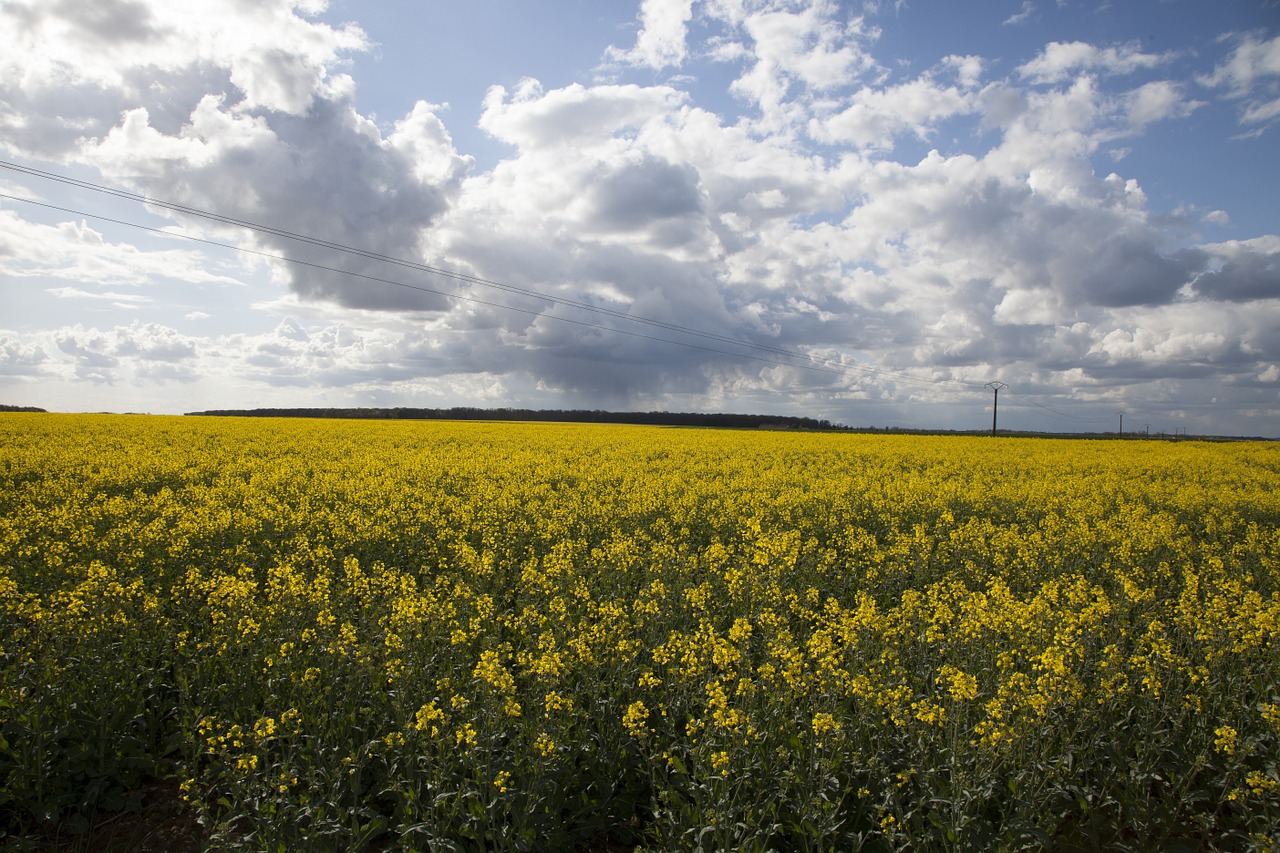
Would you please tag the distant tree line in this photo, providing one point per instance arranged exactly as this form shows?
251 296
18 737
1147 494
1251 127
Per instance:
7 408
593 416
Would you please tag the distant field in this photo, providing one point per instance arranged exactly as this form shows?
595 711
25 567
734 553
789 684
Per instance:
383 635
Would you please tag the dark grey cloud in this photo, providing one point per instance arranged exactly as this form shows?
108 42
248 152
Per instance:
611 371
640 195
617 360
327 174
1127 270
1248 276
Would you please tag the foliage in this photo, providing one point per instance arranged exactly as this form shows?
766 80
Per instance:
432 635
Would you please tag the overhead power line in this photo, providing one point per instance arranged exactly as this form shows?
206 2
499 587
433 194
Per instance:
797 359
809 361
1064 415
419 288
378 256
815 364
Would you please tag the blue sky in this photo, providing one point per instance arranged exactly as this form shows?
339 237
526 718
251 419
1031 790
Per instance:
862 211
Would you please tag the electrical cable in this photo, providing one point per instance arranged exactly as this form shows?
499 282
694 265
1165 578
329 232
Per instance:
837 366
419 288
808 361
1077 418
834 368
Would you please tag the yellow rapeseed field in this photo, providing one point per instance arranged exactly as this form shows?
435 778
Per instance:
336 635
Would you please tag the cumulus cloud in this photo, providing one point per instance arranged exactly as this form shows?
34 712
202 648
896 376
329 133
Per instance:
951 262
68 68
804 53
21 359
139 352
968 69
329 174
273 137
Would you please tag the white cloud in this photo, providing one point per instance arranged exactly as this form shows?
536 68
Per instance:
1157 101
146 353
1261 113
1030 307
1254 60
1022 15
875 117
798 55
575 116
75 251
661 41
968 69
105 296
1184 341
236 108
1251 74
1060 61
21 359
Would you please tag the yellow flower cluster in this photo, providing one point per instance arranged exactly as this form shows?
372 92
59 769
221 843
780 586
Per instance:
635 720
731 629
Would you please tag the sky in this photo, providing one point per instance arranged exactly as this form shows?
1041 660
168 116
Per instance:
866 212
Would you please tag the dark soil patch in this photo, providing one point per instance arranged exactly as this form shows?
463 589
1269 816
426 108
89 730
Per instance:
164 823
